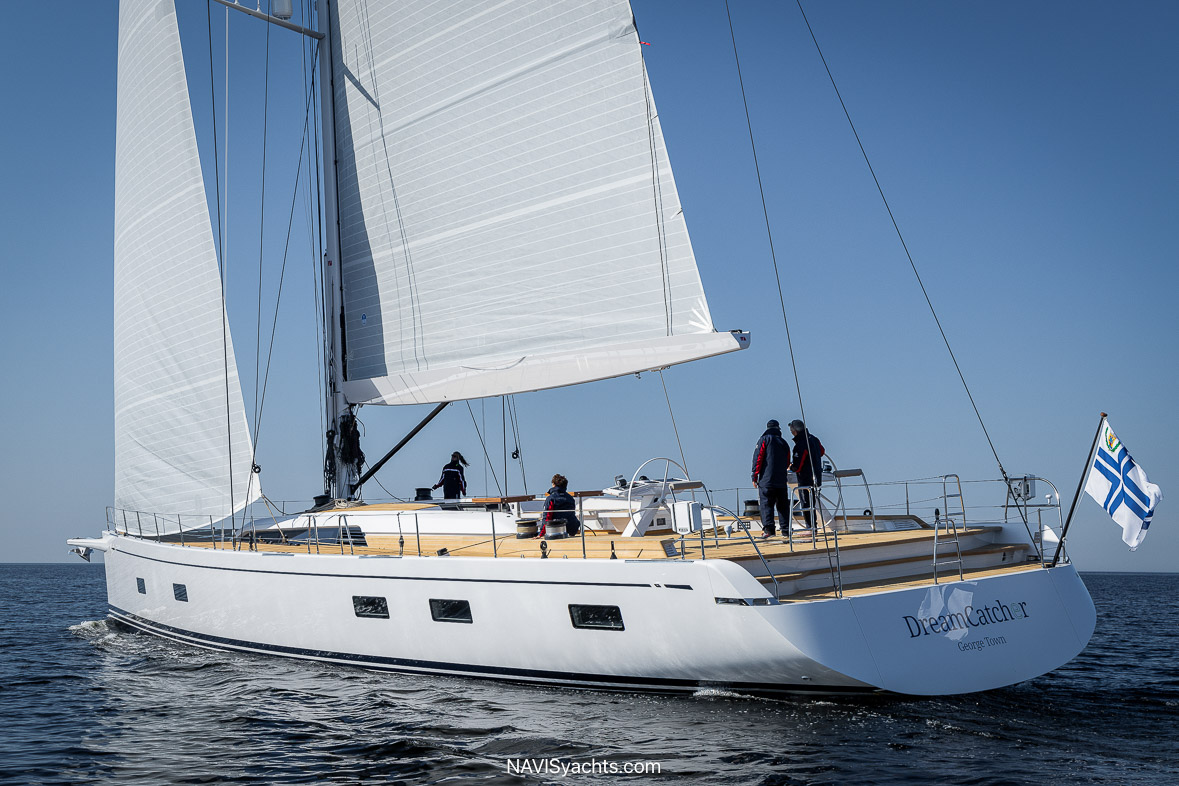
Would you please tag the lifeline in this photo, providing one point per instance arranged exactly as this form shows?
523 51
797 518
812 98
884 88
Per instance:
970 617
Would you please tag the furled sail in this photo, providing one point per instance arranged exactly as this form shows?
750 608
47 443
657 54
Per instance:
181 438
508 216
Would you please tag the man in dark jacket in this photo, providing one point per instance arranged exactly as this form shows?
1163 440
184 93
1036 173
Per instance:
559 509
805 462
771 464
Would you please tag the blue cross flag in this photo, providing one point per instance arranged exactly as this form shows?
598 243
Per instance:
1120 486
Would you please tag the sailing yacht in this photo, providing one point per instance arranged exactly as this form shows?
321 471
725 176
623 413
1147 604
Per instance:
527 154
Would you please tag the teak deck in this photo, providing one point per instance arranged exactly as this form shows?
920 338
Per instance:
601 544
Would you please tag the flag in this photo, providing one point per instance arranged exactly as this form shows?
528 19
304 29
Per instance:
1120 486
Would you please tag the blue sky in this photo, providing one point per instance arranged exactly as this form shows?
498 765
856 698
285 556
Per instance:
1027 151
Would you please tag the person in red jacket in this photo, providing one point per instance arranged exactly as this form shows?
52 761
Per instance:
805 461
559 509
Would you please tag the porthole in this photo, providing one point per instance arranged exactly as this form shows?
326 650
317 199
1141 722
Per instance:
370 606
450 610
596 617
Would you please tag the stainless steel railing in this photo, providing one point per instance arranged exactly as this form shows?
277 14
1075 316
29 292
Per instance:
830 517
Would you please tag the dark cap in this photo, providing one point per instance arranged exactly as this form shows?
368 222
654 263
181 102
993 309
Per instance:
796 425
772 424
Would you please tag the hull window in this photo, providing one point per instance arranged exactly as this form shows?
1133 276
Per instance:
450 610
141 586
596 617
370 606
181 592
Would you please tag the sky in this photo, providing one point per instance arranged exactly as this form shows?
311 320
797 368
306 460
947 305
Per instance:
1027 152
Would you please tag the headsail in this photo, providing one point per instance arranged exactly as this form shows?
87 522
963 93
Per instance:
178 402
508 216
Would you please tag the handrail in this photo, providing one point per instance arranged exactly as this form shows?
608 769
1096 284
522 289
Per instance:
837 572
742 526
1040 520
348 530
891 505
1023 513
581 521
830 533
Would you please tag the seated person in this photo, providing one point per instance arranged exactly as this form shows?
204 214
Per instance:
559 508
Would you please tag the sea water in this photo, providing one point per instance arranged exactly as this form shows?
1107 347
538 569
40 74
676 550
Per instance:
84 702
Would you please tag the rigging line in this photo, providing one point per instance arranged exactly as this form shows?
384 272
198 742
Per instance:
261 226
225 131
766 213
901 237
657 199
518 454
486 455
503 413
283 269
318 110
220 255
387 491
312 165
674 427
324 369
319 374
334 332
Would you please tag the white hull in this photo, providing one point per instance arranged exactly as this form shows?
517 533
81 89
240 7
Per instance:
992 632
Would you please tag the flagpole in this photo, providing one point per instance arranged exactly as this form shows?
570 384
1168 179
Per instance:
1080 486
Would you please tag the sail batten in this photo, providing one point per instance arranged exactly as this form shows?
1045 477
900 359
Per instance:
182 444
505 196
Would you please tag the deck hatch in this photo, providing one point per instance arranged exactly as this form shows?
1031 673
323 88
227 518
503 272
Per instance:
372 606
180 592
596 617
450 610
139 585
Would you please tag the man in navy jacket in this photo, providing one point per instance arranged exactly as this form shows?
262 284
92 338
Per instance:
805 460
771 465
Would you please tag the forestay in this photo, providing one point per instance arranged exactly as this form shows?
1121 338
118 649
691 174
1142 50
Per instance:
178 402
508 216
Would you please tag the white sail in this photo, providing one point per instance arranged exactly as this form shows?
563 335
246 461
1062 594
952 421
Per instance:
508 216
180 422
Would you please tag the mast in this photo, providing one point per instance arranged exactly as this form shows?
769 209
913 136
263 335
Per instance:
334 403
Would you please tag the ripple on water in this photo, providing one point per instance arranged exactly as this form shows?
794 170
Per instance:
93 702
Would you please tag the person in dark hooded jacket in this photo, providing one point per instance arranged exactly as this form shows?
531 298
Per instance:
559 508
771 465
453 480
805 460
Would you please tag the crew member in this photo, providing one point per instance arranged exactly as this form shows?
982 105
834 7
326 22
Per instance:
771 463
559 508
805 461
453 480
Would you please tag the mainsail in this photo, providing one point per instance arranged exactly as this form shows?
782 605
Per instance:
180 423
508 216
